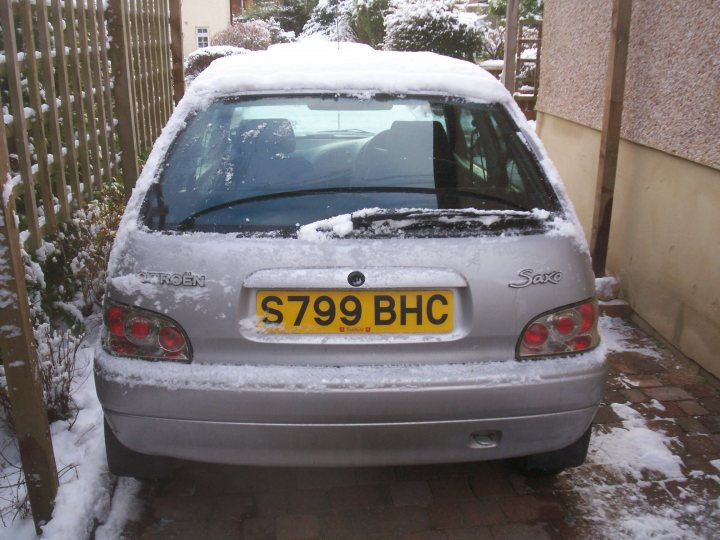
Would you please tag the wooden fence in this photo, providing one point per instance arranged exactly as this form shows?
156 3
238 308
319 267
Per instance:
84 92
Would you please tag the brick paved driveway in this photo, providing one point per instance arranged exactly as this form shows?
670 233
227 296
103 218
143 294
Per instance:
481 500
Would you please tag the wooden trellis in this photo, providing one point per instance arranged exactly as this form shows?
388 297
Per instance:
67 129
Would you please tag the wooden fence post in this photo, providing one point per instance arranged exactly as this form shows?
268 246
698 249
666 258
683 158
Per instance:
511 39
120 59
17 348
610 139
176 50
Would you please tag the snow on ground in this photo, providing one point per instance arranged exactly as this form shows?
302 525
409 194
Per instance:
86 486
628 488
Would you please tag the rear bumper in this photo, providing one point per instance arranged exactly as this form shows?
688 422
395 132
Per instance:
375 415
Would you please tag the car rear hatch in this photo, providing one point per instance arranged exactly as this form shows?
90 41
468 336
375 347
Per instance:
421 300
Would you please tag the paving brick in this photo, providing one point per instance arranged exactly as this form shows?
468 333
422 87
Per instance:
403 520
181 508
325 478
520 531
677 378
231 507
258 528
175 530
605 415
668 393
712 405
492 481
296 527
702 391
482 512
712 423
635 396
217 528
641 364
411 493
692 408
700 445
691 425
469 533
642 381
424 535
670 427
308 501
446 515
351 497
359 524
374 475
532 507
667 409
451 489
271 503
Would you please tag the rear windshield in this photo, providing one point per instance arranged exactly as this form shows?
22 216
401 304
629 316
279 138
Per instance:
274 164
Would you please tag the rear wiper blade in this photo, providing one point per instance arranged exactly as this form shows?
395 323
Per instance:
423 218
189 222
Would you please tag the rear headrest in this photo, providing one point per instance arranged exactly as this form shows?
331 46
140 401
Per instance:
421 136
268 136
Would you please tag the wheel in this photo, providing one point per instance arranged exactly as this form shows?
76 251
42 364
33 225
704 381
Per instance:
550 463
125 462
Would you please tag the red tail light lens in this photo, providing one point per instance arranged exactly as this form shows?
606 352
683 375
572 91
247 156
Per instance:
131 331
536 335
566 330
171 339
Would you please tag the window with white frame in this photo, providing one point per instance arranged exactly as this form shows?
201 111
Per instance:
203 36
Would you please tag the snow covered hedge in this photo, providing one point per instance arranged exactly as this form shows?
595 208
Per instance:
254 35
66 282
440 26
432 25
198 60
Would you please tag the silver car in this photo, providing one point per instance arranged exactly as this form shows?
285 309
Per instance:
342 257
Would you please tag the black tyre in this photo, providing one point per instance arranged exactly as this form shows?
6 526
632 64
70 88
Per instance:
549 463
125 462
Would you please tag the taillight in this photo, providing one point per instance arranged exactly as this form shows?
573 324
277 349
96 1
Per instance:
565 330
131 331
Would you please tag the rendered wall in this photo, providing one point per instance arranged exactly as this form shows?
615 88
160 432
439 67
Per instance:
672 90
665 234
213 14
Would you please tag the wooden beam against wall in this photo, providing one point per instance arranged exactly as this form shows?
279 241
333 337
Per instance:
610 140
511 40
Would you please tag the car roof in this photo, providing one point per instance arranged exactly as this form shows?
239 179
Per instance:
318 66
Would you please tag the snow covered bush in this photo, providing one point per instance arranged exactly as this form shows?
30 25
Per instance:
198 60
528 9
254 35
349 20
290 15
493 44
366 19
432 25
329 19
66 281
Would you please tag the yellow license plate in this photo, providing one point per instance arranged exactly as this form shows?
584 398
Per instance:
355 312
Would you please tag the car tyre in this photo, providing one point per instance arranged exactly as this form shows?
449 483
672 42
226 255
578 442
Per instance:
556 461
125 462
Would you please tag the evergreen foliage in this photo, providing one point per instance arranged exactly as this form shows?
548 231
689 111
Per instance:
432 25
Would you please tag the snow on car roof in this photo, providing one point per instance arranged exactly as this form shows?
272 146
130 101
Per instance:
323 66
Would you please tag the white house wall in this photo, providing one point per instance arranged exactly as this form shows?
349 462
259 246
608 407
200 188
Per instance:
211 14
